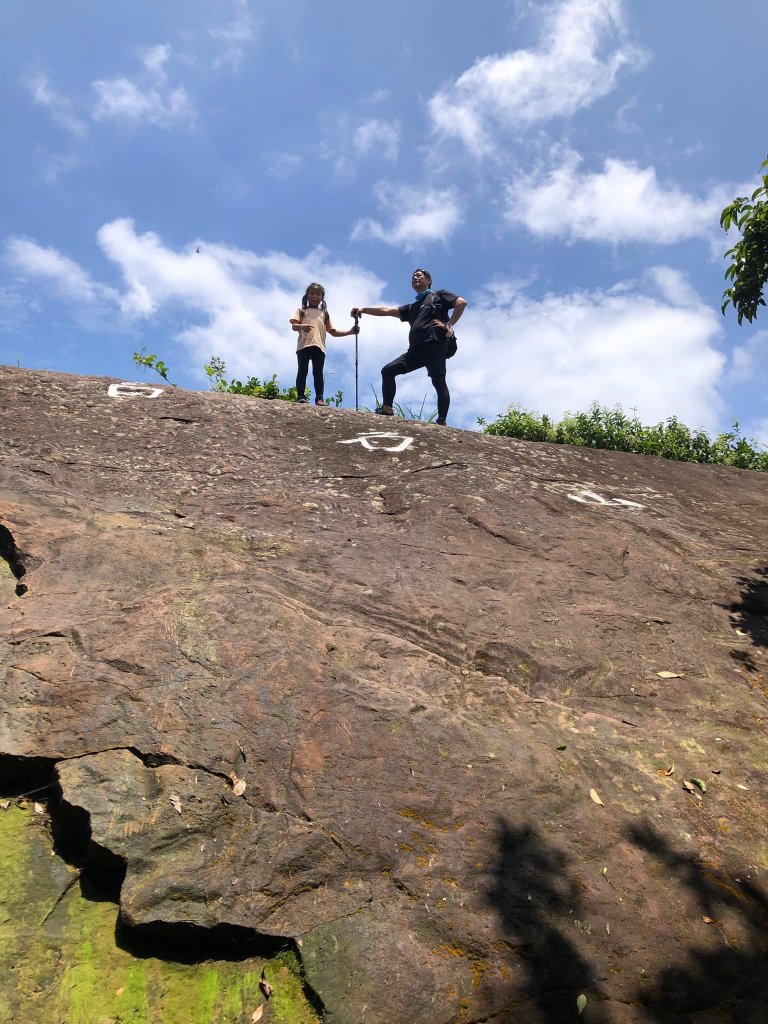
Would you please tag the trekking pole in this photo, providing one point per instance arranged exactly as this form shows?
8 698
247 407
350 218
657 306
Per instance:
357 335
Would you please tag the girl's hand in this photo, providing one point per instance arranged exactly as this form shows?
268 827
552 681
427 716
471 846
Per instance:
356 313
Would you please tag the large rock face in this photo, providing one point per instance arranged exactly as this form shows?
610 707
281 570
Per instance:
420 654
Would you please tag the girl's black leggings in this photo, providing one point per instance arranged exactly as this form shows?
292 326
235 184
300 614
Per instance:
317 356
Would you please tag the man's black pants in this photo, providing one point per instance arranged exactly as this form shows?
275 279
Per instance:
429 354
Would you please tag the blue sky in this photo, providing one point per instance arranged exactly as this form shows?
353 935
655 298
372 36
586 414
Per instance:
562 166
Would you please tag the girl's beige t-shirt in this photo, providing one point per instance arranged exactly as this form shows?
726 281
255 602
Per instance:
315 317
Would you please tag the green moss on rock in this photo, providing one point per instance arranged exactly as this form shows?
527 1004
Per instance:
59 960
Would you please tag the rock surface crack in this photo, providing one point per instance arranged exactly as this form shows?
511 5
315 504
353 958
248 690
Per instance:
11 554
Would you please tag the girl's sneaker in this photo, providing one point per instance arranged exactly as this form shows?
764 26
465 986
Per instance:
302 401
385 410
319 401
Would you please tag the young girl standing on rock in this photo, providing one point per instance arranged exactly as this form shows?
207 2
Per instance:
312 321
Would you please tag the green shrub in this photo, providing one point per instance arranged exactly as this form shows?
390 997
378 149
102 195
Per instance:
612 428
151 362
254 387
216 370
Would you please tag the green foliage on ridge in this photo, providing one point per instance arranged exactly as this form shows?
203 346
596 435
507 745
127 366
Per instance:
217 368
151 362
612 428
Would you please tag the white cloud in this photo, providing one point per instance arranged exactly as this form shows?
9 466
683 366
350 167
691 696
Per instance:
149 99
58 164
581 52
623 120
237 304
748 361
233 303
66 276
281 163
757 431
620 203
649 346
154 60
378 96
59 106
15 308
644 347
372 138
237 35
423 216
379 137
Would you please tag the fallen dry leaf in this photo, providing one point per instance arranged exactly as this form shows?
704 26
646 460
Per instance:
670 675
175 801
593 796
257 1015
4 805
119 991
238 785
739 786
670 770
38 808
581 1003
707 920
690 788
264 985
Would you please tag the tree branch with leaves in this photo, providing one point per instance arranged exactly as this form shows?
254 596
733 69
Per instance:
748 272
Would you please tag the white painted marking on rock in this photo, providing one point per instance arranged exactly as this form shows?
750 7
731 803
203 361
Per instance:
130 389
590 498
380 435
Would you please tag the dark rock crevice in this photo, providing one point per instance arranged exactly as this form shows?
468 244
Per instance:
11 554
154 759
101 874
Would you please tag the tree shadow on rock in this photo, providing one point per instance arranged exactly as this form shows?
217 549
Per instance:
725 981
750 614
534 895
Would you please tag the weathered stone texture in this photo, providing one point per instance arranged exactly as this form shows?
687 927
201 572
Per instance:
420 663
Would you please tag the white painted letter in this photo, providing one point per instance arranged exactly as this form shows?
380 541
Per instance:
365 441
128 389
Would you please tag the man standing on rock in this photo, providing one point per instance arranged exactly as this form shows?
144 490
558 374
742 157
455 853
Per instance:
431 329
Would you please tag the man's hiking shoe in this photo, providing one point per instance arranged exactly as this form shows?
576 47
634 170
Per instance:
385 410
302 401
441 422
319 401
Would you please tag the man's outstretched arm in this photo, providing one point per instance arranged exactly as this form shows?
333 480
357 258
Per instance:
376 311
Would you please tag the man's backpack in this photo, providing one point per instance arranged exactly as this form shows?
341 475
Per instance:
450 339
